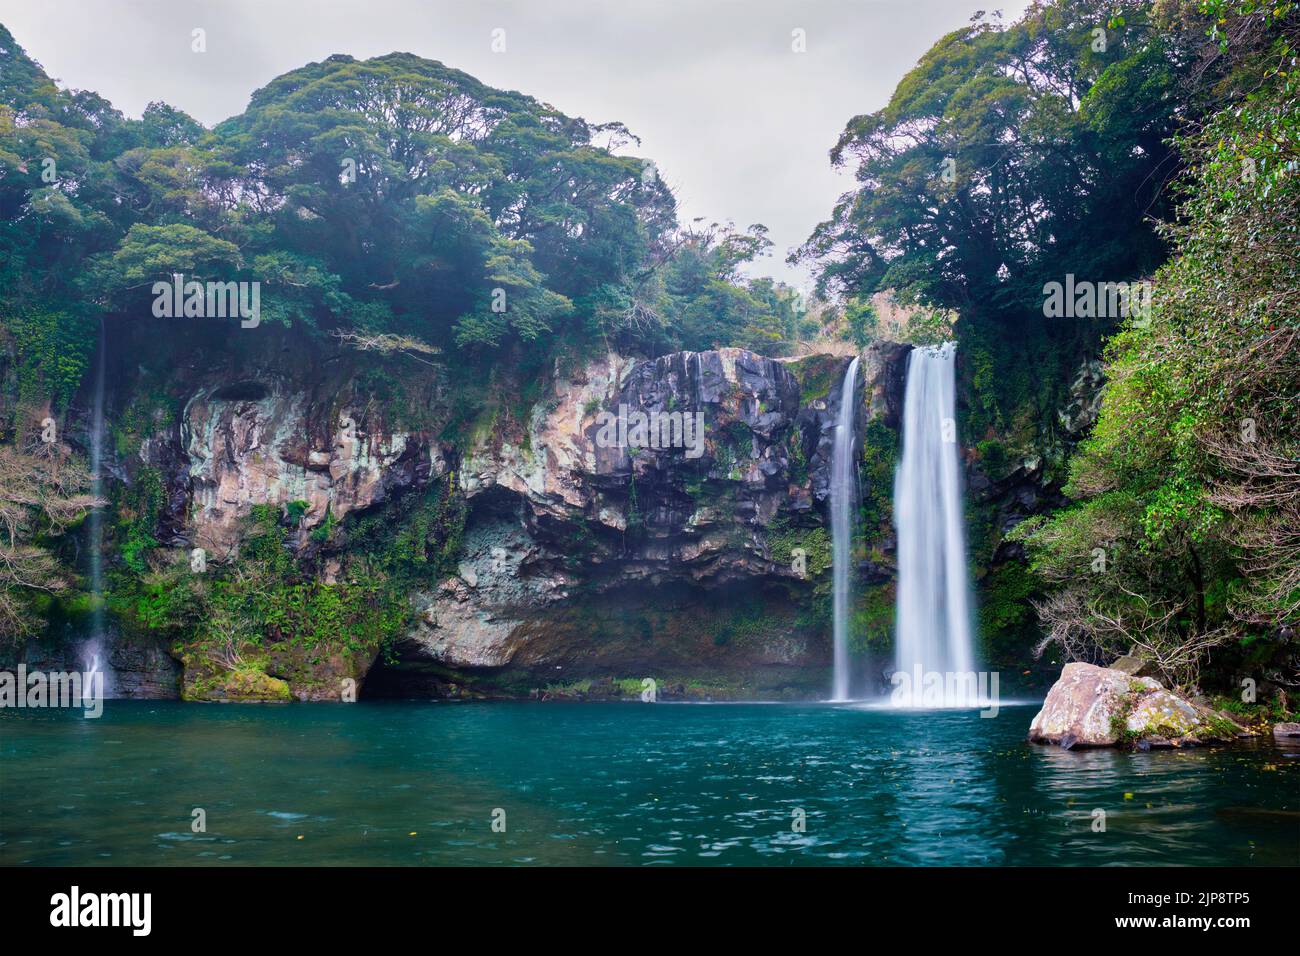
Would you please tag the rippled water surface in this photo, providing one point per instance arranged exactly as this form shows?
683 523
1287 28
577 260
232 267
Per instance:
663 784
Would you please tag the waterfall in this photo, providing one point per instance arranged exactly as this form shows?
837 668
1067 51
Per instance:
95 648
88 689
934 608
844 506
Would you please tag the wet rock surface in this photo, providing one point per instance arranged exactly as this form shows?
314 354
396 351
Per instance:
136 668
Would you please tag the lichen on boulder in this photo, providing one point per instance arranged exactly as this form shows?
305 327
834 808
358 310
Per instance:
1092 706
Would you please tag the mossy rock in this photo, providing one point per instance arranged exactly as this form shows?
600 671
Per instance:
1094 706
783 539
817 375
243 684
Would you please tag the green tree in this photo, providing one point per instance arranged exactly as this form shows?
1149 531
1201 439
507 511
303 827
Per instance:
1190 484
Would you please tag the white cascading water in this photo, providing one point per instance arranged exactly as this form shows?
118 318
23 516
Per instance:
95 647
934 617
844 507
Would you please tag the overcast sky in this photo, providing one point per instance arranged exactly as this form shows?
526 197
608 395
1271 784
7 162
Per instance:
737 123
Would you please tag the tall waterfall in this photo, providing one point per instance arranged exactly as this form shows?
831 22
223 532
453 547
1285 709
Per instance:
934 608
844 506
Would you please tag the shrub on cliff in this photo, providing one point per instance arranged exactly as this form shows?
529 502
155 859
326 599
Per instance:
43 492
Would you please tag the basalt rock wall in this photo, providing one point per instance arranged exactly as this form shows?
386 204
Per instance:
636 519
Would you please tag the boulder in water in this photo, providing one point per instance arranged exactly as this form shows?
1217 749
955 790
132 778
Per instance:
1092 706
1288 731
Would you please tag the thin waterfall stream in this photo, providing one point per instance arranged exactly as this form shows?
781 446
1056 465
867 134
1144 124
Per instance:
95 652
844 507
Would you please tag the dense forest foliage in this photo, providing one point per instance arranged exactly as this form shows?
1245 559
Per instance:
394 196
1190 482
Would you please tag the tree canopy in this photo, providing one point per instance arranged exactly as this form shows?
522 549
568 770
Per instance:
1010 155
390 196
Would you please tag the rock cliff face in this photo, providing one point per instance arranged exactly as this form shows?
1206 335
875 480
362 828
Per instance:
137 669
263 443
1025 480
593 556
658 519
